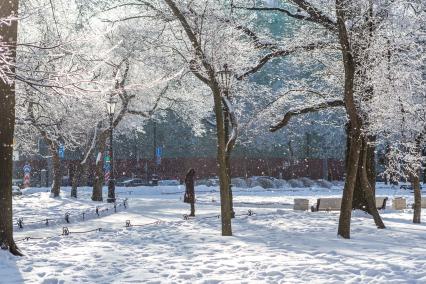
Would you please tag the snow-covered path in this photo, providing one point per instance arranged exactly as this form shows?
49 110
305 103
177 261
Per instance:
276 245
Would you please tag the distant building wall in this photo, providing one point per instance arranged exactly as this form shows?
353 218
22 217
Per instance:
175 168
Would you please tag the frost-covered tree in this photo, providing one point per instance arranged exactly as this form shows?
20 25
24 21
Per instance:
140 83
58 86
397 109
356 30
210 41
200 37
68 67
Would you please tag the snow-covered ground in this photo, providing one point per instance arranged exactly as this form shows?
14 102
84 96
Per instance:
275 245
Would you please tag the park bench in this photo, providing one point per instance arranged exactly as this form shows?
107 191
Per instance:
334 204
399 203
301 204
381 202
327 204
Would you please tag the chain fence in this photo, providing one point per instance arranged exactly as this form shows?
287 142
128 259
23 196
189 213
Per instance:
128 224
88 214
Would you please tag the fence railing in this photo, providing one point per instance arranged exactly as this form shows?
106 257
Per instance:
69 217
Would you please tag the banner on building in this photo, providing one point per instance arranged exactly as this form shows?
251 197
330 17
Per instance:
27 175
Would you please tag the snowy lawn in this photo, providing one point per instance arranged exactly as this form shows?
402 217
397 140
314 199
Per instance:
276 245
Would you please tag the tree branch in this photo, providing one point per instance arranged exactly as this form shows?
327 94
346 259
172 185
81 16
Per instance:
194 67
256 40
283 53
192 38
147 114
316 15
315 108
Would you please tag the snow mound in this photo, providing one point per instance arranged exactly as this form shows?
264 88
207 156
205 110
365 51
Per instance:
307 182
267 182
239 182
281 183
295 183
208 182
33 190
252 182
324 183
169 182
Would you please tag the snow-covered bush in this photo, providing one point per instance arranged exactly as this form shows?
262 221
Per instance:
252 182
324 183
169 182
295 183
281 183
239 182
266 182
307 182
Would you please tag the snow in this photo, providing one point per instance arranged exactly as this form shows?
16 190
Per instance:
275 245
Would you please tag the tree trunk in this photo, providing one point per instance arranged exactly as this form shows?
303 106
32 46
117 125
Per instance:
367 188
359 200
354 126
57 176
84 173
363 196
415 181
192 209
75 178
7 127
351 176
387 164
228 161
222 162
99 168
371 162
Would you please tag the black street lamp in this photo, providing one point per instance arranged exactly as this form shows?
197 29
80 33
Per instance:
110 105
225 77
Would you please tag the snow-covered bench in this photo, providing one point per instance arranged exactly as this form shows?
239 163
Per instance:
399 203
301 204
381 202
327 204
334 204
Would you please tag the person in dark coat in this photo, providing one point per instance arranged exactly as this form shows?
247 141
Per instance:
189 190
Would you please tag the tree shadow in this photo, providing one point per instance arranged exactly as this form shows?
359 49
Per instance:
10 272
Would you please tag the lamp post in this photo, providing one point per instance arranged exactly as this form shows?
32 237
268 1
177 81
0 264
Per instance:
225 77
155 146
110 105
